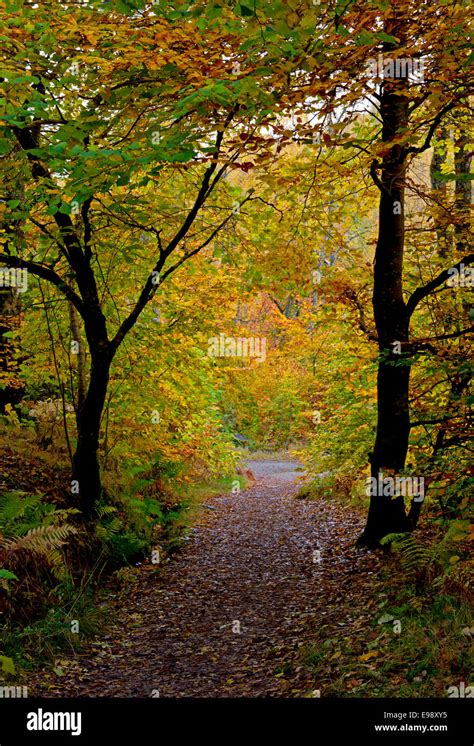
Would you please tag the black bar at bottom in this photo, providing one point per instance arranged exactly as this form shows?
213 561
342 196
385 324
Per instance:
154 721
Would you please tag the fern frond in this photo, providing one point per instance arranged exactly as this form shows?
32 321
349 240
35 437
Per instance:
414 557
41 540
14 504
106 510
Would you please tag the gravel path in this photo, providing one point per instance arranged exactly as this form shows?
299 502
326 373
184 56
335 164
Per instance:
229 614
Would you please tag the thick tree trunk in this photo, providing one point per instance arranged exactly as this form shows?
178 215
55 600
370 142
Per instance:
387 515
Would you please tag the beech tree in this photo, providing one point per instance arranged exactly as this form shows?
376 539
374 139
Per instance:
406 133
89 136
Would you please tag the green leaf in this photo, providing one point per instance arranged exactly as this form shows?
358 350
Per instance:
386 37
244 11
7 575
7 664
65 208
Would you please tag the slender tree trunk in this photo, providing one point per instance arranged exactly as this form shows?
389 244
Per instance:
81 390
387 514
86 469
12 388
439 190
462 169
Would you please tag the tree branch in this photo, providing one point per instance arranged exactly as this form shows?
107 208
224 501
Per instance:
151 285
417 296
452 335
73 250
436 121
375 177
46 274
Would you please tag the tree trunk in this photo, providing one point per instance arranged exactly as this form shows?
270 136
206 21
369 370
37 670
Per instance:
11 388
81 363
86 469
462 169
387 515
439 192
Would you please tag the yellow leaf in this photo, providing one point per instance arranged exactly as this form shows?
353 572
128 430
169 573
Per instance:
368 656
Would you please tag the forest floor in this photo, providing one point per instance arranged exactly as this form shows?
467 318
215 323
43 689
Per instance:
233 613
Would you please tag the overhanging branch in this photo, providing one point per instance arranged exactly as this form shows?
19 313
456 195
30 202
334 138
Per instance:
151 284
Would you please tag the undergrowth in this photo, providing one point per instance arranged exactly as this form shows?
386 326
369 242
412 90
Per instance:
54 571
415 631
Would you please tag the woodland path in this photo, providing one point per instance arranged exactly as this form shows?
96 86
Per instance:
249 560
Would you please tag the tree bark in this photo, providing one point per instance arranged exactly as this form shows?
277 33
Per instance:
439 192
463 189
387 515
86 469
81 390
12 388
